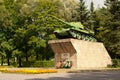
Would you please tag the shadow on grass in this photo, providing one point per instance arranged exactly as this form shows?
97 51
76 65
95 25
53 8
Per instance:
107 75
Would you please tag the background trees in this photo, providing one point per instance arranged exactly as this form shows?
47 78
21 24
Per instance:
67 9
114 27
109 27
26 26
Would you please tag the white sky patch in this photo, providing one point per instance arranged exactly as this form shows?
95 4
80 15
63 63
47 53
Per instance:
97 3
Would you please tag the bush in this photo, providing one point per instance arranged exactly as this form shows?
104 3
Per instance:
116 63
38 64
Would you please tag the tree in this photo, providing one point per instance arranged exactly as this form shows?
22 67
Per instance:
7 48
6 32
26 27
114 27
67 9
2 13
83 14
92 18
44 25
109 26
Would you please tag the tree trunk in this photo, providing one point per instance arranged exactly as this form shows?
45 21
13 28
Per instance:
26 57
26 54
20 62
8 57
2 61
8 61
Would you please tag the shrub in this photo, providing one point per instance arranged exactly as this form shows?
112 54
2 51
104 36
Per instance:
38 64
116 63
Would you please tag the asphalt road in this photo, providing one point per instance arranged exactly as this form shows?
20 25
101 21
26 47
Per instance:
108 75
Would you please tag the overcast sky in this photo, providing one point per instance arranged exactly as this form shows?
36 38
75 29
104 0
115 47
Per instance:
97 3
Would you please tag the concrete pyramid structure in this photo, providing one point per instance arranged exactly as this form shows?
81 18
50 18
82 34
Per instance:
83 54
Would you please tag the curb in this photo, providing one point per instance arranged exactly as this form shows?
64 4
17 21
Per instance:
86 70
94 70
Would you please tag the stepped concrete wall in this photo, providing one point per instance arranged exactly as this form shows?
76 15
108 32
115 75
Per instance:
83 54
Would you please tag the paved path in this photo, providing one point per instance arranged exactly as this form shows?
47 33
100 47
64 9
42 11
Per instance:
108 75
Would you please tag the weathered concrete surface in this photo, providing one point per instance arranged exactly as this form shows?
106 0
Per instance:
83 54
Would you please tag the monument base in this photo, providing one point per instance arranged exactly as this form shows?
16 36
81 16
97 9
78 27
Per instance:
81 54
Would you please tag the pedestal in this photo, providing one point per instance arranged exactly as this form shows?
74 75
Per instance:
82 54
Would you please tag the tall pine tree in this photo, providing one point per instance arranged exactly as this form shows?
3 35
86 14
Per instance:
113 26
92 17
83 14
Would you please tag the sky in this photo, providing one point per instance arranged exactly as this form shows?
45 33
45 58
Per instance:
97 3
